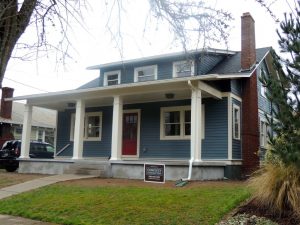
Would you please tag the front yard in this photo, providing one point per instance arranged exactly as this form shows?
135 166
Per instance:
110 201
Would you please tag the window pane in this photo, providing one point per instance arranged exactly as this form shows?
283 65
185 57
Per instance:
187 129
183 69
146 78
172 129
172 117
112 82
93 126
112 77
187 116
146 74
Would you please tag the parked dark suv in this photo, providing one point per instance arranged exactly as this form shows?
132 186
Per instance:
11 151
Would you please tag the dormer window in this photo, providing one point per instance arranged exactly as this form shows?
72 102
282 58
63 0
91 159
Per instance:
145 73
183 68
112 78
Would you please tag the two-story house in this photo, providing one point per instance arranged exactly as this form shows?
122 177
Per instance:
198 112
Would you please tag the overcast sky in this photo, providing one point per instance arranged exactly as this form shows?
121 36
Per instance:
96 46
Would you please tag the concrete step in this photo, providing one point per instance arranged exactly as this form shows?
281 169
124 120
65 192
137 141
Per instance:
95 169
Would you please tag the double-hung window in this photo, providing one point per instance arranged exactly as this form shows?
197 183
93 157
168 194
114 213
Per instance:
175 122
263 89
112 78
183 68
263 133
145 73
92 126
236 122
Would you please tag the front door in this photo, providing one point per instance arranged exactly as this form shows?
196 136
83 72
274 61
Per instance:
130 134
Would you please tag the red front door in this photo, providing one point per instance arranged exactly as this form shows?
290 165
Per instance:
130 128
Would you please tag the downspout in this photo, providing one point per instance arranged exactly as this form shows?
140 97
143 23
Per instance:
192 149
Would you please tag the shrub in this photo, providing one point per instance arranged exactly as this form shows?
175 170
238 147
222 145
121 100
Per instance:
277 187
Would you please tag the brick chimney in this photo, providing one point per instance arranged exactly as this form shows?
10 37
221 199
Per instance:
6 106
248 54
250 129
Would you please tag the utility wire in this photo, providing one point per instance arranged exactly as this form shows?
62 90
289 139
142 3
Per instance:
27 85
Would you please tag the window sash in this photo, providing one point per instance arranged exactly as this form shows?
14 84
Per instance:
236 122
183 69
112 78
263 134
146 73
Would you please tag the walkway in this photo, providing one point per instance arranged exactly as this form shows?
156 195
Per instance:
31 185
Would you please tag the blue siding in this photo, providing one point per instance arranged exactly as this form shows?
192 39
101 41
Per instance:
203 64
215 143
236 144
150 144
236 87
263 103
207 63
90 148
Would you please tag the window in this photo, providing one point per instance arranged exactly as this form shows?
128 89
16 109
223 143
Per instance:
175 122
183 68
236 120
145 73
112 78
18 133
92 126
263 89
263 134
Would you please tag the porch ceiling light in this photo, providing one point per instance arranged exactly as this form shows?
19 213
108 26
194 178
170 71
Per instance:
170 95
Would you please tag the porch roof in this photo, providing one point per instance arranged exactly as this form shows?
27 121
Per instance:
132 93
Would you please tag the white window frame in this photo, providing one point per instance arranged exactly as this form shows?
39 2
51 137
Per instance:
137 69
181 109
85 137
106 74
263 133
263 89
238 135
184 61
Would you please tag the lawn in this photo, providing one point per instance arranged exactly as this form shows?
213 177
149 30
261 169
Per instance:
74 204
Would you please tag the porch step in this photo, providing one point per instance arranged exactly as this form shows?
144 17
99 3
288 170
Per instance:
102 169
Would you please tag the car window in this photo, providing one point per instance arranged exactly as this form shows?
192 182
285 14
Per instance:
50 148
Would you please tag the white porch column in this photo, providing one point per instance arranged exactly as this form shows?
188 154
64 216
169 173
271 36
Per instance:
26 132
78 129
117 125
196 123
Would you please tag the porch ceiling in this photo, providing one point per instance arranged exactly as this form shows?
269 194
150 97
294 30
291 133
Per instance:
102 96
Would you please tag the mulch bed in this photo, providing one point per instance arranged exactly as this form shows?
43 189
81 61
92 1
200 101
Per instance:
251 207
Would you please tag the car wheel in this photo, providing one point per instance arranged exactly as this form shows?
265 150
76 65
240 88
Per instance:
11 168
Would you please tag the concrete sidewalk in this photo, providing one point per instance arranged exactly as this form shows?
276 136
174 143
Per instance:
37 183
30 185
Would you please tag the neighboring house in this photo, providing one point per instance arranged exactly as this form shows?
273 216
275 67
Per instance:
201 108
11 121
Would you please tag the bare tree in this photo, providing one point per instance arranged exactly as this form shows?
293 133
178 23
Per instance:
188 20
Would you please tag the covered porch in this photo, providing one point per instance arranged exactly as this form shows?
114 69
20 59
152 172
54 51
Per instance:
138 104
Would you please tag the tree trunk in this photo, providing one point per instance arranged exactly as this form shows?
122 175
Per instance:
13 23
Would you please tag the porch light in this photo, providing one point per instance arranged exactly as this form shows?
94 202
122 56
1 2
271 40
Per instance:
169 95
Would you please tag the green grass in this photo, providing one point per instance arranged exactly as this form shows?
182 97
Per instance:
126 205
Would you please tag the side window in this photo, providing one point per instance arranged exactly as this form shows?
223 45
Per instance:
236 122
145 73
183 68
263 89
112 78
264 133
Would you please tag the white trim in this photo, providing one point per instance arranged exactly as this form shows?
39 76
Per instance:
181 109
192 62
209 89
138 111
263 129
106 74
85 138
229 94
136 69
230 127
236 107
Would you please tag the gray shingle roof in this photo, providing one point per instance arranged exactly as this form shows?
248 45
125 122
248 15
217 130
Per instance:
91 84
232 63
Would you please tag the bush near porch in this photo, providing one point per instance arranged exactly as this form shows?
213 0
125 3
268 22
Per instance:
80 203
